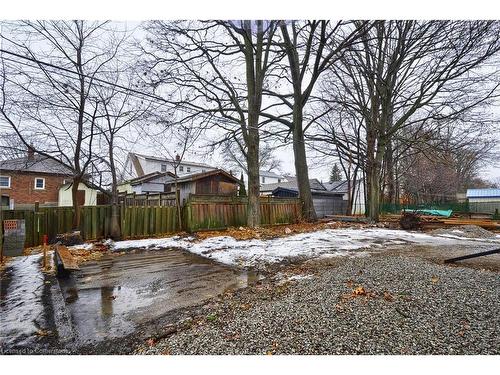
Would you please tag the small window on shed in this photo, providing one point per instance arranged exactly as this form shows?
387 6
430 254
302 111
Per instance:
181 169
163 167
263 179
39 183
188 169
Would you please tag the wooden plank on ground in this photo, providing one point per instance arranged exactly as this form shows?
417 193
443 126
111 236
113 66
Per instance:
67 259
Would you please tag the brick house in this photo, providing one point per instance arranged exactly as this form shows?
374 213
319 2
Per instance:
30 179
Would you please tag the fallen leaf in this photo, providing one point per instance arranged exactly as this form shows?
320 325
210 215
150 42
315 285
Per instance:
245 306
43 332
150 342
388 297
434 279
359 291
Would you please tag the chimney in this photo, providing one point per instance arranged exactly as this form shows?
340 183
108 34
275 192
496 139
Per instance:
177 157
31 152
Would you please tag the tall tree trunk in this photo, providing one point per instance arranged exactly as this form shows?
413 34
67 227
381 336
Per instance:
253 207
301 169
115 230
76 206
255 79
389 173
375 182
369 166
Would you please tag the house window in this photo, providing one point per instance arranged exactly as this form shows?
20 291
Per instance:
263 180
5 182
203 170
163 167
181 169
188 169
279 180
39 183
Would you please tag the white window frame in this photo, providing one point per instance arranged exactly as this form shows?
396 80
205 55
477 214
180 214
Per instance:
181 168
9 183
163 167
40 188
188 169
263 179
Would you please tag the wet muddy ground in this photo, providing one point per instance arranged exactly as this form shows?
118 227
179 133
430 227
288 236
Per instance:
113 298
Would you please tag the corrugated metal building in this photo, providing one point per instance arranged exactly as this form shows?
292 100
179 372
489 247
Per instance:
484 200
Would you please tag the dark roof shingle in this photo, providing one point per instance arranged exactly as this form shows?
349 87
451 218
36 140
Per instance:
37 164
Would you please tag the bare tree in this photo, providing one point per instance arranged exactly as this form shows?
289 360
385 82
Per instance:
121 114
409 81
50 69
198 66
311 48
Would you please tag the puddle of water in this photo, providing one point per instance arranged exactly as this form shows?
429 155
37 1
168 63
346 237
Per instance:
110 297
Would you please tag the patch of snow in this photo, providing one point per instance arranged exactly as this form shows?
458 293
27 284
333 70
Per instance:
21 307
149 243
457 231
83 246
300 277
323 243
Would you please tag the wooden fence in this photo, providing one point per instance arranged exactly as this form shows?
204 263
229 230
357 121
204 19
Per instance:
201 212
147 199
95 222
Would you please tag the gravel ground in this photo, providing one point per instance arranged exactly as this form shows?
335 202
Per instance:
466 231
373 305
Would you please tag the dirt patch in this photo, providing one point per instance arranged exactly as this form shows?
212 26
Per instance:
276 231
466 231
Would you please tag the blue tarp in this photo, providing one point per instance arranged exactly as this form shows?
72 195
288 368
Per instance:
424 211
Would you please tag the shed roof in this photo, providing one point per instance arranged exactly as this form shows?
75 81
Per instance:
169 160
341 186
148 177
336 186
269 174
197 176
483 193
292 184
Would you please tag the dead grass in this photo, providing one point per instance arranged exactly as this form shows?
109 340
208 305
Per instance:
275 231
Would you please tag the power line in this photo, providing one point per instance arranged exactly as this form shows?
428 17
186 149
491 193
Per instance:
159 98
190 111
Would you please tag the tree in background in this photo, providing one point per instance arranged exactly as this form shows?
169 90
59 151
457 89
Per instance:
242 191
335 173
